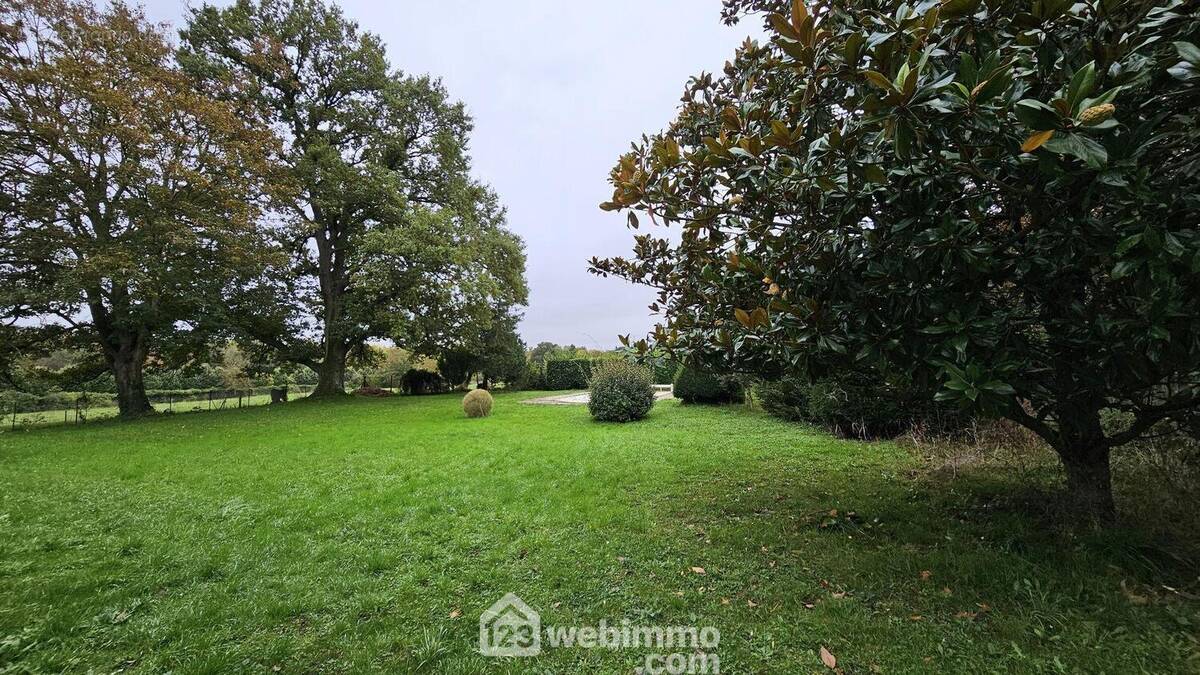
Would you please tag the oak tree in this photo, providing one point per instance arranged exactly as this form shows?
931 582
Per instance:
389 234
129 199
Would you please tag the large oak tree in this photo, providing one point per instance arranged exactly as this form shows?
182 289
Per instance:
997 198
127 197
390 235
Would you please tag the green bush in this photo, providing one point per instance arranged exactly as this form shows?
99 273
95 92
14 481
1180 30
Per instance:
786 398
620 391
568 374
477 403
418 382
695 386
859 405
665 372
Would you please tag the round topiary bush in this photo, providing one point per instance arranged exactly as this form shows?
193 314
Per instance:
477 403
620 391
694 386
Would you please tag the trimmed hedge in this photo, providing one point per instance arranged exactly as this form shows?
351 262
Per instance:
568 374
620 391
695 386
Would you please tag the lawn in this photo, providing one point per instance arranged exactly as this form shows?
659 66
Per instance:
371 534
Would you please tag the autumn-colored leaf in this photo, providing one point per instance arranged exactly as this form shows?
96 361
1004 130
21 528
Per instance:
698 570
828 659
743 317
455 614
1036 140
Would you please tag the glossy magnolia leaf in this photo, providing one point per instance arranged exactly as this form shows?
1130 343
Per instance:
1081 85
952 9
879 80
1036 115
1188 52
799 14
1077 145
1036 140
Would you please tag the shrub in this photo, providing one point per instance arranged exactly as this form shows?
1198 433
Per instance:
477 403
620 391
695 386
420 382
665 372
568 374
786 398
866 406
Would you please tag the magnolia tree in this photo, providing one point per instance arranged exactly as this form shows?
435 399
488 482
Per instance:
129 200
997 199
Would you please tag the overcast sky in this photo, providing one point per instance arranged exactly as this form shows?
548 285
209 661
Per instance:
558 90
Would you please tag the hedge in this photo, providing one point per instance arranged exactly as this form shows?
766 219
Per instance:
568 374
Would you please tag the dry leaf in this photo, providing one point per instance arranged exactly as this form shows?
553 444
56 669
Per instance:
925 574
455 614
1036 140
751 603
724 601
698 570
828 659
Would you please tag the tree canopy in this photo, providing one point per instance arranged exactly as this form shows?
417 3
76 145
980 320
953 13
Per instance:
129 200
390 236
996 198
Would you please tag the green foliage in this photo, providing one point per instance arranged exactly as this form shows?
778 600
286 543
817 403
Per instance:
457 365
570 374
477 403
786 398
383 219
996 198
417 382
130 201
620 391
696 386
857 404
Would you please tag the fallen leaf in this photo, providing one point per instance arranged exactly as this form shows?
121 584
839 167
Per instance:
916 617
828 659
751 603
925 574
455 614
724 601
698 570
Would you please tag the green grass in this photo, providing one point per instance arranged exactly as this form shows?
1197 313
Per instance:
370 534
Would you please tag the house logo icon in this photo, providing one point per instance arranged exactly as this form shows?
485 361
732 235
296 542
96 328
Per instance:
510 628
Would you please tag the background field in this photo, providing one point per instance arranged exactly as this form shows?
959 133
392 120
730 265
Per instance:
370 534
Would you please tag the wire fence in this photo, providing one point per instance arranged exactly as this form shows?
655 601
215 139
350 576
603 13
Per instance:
25 410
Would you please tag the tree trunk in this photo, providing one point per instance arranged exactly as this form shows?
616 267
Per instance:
126 364
1085 455
1089 483
331 374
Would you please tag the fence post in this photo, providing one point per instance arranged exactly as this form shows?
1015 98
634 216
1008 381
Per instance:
14 421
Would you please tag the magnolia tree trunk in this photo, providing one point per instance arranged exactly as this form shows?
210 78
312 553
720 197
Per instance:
1089 482
1086 455
126 363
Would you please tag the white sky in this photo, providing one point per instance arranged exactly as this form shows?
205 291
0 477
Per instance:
558 90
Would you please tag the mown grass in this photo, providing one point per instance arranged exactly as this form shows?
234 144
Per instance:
370 534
